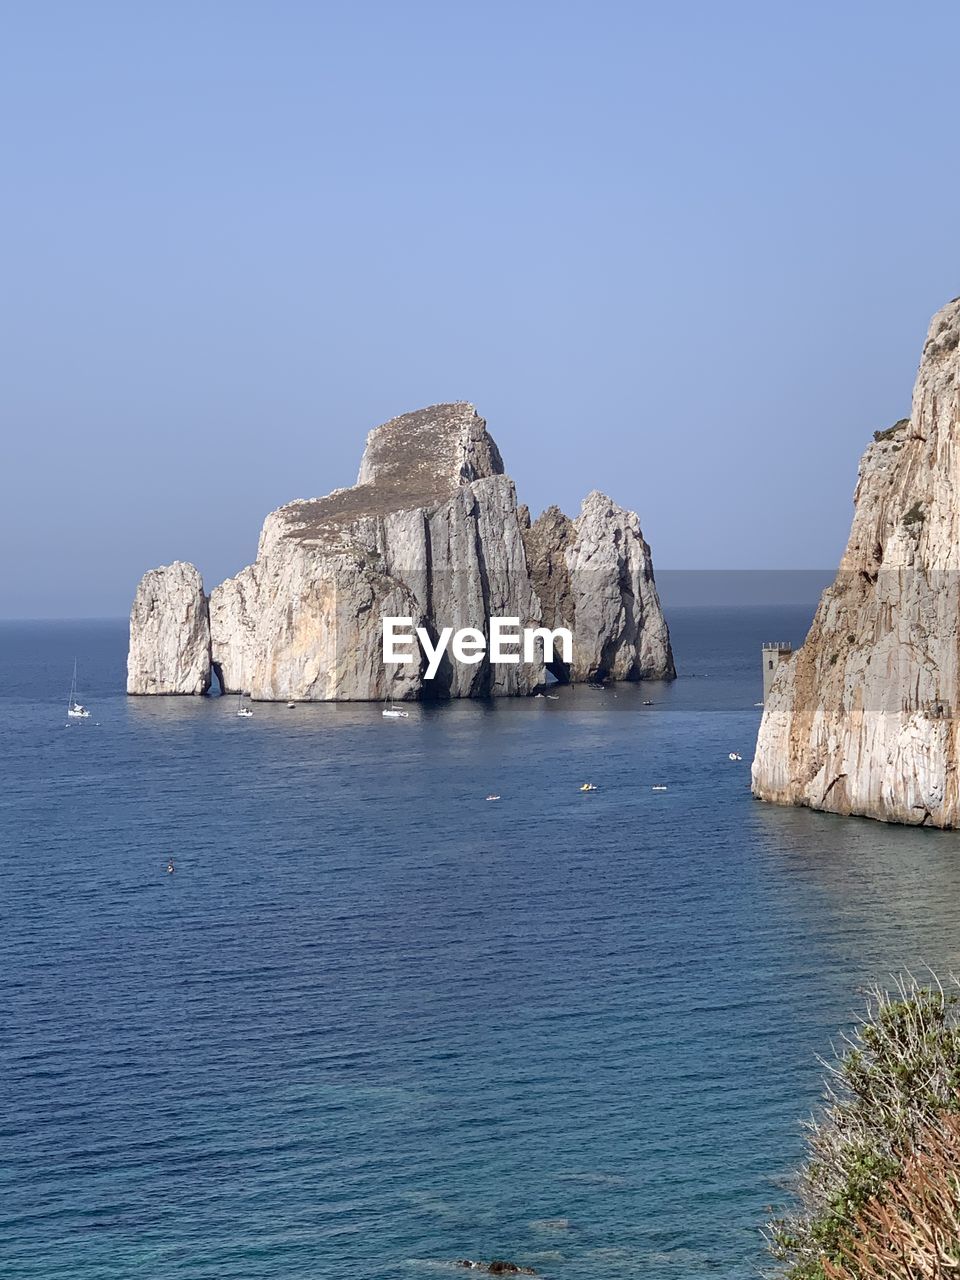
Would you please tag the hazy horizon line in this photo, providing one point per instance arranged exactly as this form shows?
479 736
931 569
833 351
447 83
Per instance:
677 588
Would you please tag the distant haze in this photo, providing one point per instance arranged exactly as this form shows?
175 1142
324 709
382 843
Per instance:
681 588
683 254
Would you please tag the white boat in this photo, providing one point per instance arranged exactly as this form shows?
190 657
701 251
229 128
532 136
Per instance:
75 709
393 712
242 711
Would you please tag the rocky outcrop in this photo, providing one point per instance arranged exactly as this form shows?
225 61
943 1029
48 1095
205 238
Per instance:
863 718
594 575
432 532
497 1267
429 532
169 633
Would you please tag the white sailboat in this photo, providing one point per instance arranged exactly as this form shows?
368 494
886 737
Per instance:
393 712
75 709
242 711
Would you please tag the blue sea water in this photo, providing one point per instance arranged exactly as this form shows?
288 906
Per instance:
374 1022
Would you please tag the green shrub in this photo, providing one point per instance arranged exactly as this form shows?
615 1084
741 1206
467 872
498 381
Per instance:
891 431
900 1069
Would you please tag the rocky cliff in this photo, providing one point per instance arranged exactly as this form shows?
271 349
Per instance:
863 718
594 575
431 531
169 633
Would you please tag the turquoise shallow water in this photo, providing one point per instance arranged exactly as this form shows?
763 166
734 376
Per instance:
374 1023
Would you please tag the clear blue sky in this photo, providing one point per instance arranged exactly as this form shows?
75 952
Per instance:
682 253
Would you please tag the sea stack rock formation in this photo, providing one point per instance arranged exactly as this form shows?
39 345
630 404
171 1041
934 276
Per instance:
431 531
863 718
594 575
169 633
428 532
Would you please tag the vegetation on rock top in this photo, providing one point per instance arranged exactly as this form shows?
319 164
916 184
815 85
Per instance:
891 431
880 1151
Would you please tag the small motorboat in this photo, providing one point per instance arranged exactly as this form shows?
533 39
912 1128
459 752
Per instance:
491 797
660 788
734 755
588 786
291 705
243 712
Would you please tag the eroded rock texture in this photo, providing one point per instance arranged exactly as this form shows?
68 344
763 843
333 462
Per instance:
594 575
863 718
169 633
431 531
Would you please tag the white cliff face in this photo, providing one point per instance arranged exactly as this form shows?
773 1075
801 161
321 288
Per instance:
863 718
303 624
431 532
169 633
618 627
594 575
